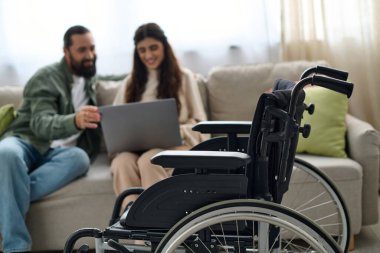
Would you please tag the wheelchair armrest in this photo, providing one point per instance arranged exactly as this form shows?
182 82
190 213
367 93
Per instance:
201 159
223 127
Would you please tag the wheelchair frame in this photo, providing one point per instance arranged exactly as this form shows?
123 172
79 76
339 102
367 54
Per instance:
258 186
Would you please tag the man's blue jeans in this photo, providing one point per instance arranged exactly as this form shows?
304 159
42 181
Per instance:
25 176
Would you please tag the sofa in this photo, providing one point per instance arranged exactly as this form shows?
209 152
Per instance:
88 201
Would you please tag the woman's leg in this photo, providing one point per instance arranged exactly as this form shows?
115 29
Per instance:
151 173
125 174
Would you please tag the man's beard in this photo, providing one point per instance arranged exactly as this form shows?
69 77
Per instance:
80 69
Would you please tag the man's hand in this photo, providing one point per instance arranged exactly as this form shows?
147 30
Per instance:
87 117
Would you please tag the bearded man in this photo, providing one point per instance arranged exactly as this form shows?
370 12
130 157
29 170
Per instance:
54 137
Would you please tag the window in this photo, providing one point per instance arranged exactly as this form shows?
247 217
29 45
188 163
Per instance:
203 33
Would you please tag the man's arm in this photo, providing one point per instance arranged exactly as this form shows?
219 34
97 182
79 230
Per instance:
51 111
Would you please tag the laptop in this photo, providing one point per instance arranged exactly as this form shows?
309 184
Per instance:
140 126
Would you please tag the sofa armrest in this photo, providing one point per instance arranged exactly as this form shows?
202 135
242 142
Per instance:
363 146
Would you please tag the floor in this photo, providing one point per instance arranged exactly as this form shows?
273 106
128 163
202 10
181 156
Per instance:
368 241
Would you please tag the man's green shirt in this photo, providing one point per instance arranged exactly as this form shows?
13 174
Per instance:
47 112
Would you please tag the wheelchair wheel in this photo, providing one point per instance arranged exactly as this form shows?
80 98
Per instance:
246 226
310 192
313 194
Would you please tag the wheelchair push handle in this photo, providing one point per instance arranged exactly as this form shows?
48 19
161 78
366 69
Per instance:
322 70
323 81
333 84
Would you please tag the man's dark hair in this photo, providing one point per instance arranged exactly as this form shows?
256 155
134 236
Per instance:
78 29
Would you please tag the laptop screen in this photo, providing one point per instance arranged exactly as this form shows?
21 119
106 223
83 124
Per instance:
140 126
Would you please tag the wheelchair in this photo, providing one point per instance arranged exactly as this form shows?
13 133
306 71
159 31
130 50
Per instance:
226 194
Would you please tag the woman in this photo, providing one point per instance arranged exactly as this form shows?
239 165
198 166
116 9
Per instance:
156 74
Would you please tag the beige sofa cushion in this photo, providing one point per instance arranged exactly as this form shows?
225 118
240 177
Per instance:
85 203
347 175
106 91
237 88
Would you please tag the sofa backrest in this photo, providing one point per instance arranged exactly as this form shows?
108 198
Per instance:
106 91
228 92
11 95
233 91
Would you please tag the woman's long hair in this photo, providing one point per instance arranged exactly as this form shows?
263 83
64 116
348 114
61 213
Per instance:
169 71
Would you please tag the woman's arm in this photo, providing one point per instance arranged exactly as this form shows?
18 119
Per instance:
192 109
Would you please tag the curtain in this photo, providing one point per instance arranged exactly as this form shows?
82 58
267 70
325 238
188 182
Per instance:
344 33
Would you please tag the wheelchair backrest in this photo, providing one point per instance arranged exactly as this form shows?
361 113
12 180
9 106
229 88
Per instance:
272 142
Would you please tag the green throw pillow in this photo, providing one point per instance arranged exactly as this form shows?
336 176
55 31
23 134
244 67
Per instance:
7 115
328 126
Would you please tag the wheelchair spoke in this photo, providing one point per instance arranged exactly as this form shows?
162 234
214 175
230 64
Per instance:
188 247
274 242
326 217
204 245
296 247
290 242
225 242
315 196
253 236
237 234
308 202
224 246
315 206
329 225
276 231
